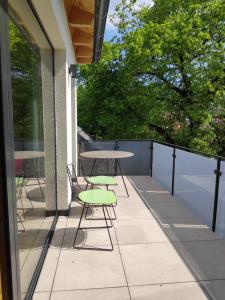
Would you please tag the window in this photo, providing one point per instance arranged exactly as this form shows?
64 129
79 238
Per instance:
32 95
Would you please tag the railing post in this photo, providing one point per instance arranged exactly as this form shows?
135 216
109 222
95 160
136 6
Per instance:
173 170
151 158
216 194
116 147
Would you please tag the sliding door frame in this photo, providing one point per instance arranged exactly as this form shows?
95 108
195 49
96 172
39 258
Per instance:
9 254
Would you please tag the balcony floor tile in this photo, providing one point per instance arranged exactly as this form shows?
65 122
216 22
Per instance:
83 269
176 291
140 231
155 263
41 296
121 293
161 251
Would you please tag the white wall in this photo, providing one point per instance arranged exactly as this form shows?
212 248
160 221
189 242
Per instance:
53 17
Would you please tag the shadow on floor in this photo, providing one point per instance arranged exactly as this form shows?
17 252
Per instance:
64 238
35 194
202 250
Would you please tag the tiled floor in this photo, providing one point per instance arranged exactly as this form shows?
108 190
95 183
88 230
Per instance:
160 252
33 228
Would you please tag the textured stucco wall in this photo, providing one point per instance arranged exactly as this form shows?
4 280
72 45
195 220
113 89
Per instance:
61 128
53 17
74 123
49 128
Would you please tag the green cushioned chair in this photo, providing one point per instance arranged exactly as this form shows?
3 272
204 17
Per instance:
96 198
101 180
98 180
19 189
94 180
21 182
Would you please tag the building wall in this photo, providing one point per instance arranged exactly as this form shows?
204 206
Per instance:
74 121
53 17
49 128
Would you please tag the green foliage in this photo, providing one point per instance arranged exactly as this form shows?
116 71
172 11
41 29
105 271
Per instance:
163 78
26 85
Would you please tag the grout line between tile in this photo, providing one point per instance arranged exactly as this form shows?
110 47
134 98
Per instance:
179 282
169 242
58 261
90 289
122 262
136 285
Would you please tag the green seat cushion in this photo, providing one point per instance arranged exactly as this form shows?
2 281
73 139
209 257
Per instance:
102 180
20 181
98 197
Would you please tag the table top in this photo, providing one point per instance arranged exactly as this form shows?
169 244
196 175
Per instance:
106 154
28 154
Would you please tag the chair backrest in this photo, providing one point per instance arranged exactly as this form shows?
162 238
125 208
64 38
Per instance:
20 182
71 175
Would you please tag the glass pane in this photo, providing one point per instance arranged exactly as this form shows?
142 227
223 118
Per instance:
163 164
31 74
220 224
139 164
97 145
195 183
0 286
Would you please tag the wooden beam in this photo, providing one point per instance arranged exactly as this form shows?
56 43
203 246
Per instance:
84 60
80 18
82 51
82 38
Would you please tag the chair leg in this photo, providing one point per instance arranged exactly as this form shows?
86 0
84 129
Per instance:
86 213
86 186
107 226
123 178
21 200
28 197
99 219
78 226
43 197
125 186
114 212
109 218
20 220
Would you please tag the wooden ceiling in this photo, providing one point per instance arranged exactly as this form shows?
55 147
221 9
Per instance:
80 15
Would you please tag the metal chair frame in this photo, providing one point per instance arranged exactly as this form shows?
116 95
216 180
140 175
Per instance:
19 190
73 180
105 210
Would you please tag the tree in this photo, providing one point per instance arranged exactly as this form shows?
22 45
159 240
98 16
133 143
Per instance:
168 74
26 84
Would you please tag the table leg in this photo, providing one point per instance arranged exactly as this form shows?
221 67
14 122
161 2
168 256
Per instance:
92 169
117 162
91 172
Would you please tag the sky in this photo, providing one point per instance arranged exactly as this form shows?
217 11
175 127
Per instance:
110 29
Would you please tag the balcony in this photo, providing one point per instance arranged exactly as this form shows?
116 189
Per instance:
164 247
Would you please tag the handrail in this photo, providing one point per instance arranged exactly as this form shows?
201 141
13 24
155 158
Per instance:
190 150
217 171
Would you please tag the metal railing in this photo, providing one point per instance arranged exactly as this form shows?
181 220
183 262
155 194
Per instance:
195 177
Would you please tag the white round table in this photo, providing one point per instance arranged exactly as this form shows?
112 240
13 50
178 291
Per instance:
28 154
108 154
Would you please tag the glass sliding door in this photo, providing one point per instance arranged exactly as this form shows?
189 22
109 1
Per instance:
32 95
0 286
